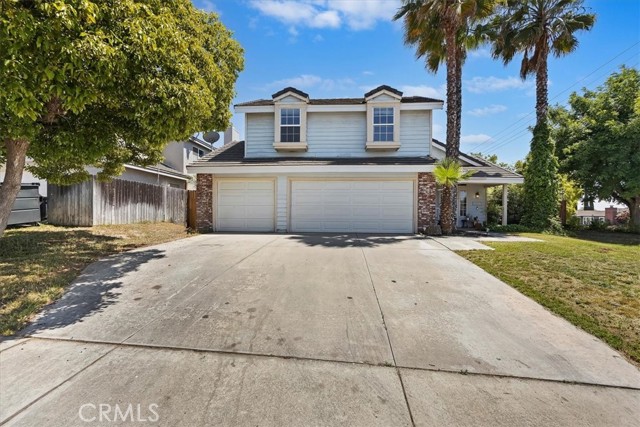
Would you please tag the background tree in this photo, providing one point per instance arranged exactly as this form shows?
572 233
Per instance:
538 28
448 173
598 140
104 83
442 31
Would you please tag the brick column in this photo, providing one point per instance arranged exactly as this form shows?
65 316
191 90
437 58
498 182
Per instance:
426 202
204 202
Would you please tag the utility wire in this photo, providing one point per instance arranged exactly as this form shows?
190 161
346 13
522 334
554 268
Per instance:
494 139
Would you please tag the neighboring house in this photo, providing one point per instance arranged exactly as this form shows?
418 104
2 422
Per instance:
608 215
334 165
28 178
178 155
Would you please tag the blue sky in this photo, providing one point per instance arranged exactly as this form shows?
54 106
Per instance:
342 48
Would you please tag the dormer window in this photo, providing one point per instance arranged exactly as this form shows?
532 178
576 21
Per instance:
383 119
290 120
290 125
383 124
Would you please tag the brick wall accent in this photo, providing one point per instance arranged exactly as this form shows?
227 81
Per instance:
204 202
610 214
426 201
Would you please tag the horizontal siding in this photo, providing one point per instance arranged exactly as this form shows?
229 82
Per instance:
339 135
260 135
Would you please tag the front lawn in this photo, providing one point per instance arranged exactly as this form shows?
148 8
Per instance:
37 263
592 280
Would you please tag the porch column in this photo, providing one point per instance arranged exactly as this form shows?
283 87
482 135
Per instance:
505 198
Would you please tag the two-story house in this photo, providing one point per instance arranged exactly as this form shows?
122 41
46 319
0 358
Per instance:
334 165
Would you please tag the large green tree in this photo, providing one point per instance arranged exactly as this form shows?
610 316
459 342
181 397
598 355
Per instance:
537 29
442 31
106 82
598 139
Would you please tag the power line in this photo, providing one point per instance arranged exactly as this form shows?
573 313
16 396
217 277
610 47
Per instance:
515 137
493 138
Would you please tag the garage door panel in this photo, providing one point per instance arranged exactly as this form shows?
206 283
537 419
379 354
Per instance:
245 206
352 206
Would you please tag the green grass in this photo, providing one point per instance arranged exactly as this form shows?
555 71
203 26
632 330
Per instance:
591 279
38 263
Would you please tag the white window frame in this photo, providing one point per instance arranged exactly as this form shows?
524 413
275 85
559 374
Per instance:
298 125
282 104
371 105
392 124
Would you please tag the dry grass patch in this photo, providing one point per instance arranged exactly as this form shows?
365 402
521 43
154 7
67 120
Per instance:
591 279
38 263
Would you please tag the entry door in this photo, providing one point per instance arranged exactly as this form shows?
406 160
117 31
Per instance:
352 206
245 206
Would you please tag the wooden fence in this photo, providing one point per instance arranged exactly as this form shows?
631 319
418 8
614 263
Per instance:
116 202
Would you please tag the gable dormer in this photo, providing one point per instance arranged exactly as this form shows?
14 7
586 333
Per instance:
290 127
383 118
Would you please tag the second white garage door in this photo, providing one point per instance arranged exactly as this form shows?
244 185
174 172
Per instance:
245 206
352 206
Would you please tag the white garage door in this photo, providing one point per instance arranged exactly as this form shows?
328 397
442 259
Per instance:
352 206
245 206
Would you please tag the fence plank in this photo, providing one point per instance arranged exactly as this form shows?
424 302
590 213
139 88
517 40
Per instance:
116 202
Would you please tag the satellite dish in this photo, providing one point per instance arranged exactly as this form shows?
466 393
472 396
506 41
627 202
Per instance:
211 137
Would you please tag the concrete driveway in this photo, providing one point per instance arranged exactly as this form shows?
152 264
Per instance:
265 330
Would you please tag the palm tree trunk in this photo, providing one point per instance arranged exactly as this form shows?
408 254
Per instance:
542 92
16 155
446 211
453 143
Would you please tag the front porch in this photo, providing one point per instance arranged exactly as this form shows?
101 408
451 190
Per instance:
471 204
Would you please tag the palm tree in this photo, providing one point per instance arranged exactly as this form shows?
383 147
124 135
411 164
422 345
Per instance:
537 28
448 173
442 31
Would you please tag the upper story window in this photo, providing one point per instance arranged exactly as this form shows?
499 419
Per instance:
383 123
198 152
290 125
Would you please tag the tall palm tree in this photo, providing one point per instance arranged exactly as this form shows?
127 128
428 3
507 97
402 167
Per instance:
448 173
442 31
538 28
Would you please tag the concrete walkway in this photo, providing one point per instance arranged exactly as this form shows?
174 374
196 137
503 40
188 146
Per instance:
275 330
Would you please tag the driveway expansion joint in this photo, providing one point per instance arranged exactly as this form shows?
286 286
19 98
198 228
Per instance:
57 386
386 331
342 362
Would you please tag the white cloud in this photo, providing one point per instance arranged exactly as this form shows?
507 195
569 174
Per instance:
474 138
424 90
208 6
483 52
357 15
318 38
496 84
367 73
487 111
364 14
307 81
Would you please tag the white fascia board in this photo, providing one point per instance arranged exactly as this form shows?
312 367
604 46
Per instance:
256 109
494 181
311 108
308 169
421 106
336 108
155 172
